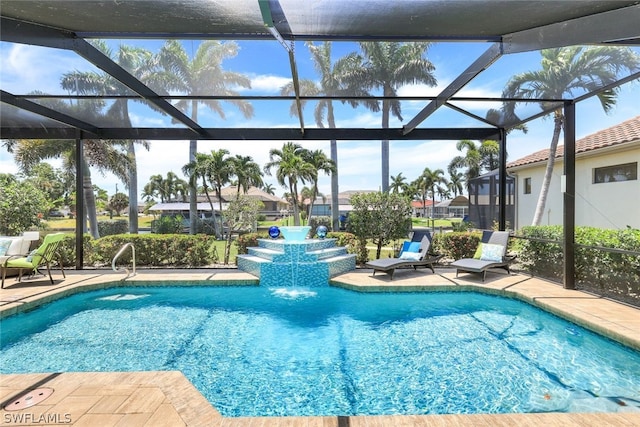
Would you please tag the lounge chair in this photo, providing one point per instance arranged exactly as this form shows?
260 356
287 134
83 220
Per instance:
407 259
492 254
43 255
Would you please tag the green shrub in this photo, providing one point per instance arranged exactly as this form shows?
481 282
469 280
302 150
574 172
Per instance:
604 272
261 218
317 221
109 228
456 245
67 249
167 225
174 250
248 240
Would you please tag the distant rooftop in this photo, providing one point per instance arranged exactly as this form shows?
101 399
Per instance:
625 132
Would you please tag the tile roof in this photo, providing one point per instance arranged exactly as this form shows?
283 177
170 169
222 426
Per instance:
626 131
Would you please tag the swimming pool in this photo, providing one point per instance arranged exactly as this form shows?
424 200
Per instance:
256 351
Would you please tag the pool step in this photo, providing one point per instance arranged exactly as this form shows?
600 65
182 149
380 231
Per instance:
311 262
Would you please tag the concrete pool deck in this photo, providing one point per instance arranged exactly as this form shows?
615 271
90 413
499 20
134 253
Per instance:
169 399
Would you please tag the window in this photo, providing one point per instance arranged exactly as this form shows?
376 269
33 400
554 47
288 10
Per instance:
527 186
616 173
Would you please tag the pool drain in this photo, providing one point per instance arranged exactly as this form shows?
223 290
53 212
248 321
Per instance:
30 398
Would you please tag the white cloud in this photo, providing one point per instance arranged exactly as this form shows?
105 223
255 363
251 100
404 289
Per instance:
268 83
37 68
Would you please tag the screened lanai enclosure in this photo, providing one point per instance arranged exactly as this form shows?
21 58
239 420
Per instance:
161 101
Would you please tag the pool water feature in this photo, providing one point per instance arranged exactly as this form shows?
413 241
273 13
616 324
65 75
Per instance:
258 351
294 260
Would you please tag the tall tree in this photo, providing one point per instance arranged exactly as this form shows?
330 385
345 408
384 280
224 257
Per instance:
389 66
169 188
139 62
291 168
202 75
247 173
456 182
331 83
429 180
269 189
565 71
319 163
398 183
101 155
471 161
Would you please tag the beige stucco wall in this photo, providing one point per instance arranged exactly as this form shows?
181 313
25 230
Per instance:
614 205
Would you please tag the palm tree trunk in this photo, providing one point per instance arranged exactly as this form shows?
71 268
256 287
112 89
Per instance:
335 207
293 188
193 192
132 171
314 193
546 181
89 201
385 147
193 189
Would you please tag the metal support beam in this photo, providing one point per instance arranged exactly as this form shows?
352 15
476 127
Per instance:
485 60
607 27
41 110
569 195
27 33
258 134
502 181
267 18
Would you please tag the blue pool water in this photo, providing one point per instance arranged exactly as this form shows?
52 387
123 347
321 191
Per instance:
256 351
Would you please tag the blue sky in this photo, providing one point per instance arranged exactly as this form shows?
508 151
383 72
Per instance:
26 68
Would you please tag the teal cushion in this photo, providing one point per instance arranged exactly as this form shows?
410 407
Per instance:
4 245
414 247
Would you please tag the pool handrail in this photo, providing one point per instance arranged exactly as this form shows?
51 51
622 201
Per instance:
120 252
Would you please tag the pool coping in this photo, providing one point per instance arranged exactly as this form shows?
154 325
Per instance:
608 318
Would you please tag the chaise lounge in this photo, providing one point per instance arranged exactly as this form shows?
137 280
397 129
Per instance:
491 253
42 256
416 255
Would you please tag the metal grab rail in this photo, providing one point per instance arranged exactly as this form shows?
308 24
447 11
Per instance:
122 249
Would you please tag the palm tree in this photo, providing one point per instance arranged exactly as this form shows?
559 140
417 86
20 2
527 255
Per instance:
165 188
246 171
429 180
103 155
319 163
291 168
139 62
564 71
202 75
471 161
456 180
269 189
389 66
330 84
398 183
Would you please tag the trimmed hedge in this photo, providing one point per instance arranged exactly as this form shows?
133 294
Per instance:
153 250
605 273
456 245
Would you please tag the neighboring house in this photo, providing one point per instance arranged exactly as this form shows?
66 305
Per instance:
422 210
322 206
453 208
273 205
607 185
